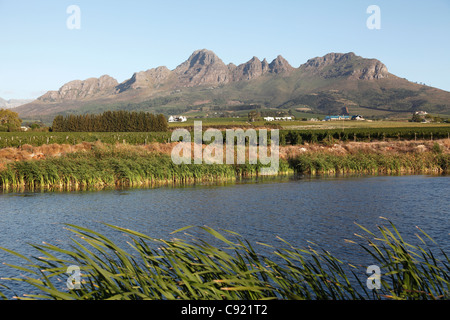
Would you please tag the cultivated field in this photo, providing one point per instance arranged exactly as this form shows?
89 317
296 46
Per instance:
311 133
300 124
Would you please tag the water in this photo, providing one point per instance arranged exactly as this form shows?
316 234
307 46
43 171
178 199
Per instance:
321 210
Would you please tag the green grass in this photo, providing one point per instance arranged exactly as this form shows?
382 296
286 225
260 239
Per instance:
123 165
108 166
371 163
222 265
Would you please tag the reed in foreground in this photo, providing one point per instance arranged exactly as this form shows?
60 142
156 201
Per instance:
230 269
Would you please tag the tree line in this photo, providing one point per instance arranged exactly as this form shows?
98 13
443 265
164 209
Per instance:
111 121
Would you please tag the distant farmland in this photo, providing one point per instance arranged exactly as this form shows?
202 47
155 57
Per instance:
288 135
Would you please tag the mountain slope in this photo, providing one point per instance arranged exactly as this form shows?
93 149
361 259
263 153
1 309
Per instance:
323 84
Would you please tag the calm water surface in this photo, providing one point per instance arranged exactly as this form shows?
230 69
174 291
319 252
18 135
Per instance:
320 210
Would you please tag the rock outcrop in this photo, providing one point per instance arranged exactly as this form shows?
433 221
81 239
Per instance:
151 78
202 68
335 65
374 70
280 66
79 89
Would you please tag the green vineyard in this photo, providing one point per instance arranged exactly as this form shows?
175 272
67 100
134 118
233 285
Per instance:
17 139
287 137
294 137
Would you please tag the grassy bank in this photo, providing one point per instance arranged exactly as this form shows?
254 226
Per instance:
98 165
371 163
232 269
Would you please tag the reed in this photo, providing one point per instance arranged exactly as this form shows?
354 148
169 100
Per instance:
228 267
109 166
98 165
370 162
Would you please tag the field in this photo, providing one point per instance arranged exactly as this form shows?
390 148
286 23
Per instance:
16 139
298 122
243 122
359 124
310 132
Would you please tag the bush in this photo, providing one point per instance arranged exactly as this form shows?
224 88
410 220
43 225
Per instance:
437 148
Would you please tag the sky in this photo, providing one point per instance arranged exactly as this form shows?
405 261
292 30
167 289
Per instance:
40 52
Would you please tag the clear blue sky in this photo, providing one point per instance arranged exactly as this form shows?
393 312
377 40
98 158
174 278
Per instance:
39 53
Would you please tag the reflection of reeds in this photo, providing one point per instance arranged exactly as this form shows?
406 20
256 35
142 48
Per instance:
232 269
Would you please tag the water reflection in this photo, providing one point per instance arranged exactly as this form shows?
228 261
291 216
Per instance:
322 210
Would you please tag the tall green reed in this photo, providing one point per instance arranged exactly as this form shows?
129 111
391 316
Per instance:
108 166
229 267
370 162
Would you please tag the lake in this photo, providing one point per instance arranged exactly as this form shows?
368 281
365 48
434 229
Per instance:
322 210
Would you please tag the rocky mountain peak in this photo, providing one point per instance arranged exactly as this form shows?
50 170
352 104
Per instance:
202 67
145 79
199 59
80 89
333 65
255 68
249 70
348 78
329 59
374 69
280 65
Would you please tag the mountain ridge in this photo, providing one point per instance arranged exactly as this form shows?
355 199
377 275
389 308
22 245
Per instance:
322 83
13 103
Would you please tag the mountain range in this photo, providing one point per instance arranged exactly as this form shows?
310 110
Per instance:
323 85
12 103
